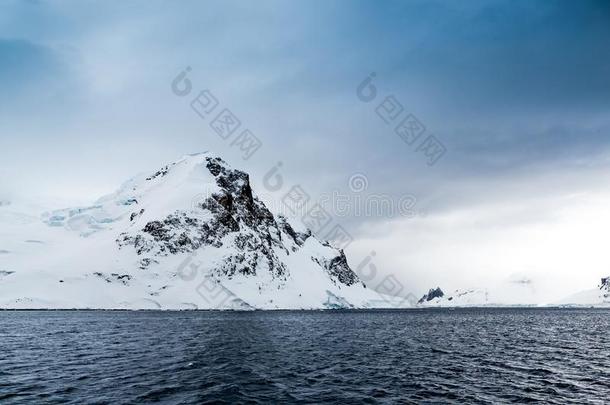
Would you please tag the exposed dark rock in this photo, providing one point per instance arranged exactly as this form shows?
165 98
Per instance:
122 278
298 237
605 287
338 269
432 294
145 262
134 215
160 173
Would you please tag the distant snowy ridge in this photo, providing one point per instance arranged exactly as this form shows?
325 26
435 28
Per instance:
191 235
457 298
513 293
516 290
431 295
598 297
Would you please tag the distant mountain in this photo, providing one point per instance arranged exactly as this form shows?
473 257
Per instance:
511 293
432 294
191 235
597 297
457 298
514 291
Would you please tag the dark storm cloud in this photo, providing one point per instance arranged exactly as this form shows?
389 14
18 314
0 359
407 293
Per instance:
509 87
23 62
496 54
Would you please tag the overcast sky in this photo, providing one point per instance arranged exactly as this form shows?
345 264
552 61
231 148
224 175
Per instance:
518 92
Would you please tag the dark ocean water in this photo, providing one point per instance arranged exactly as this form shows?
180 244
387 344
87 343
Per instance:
423 356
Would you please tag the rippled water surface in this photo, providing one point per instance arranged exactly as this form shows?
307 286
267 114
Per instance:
474 355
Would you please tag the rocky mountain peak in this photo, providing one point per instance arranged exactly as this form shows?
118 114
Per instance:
432 294
233 218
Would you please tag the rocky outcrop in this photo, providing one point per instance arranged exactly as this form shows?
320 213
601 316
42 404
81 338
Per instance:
432 294
605 287
338 269
162 172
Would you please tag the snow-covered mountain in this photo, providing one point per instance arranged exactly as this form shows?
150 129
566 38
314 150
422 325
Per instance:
515 291
597 297
431 295
192 235
458 298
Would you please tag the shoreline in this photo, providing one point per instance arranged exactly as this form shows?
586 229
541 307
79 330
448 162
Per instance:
523 307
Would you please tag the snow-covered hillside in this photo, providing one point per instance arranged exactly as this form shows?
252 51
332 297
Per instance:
515 291
597 297
192 235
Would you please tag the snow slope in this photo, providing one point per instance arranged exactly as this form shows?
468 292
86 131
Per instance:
598 297
513 292
510 292
192 235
